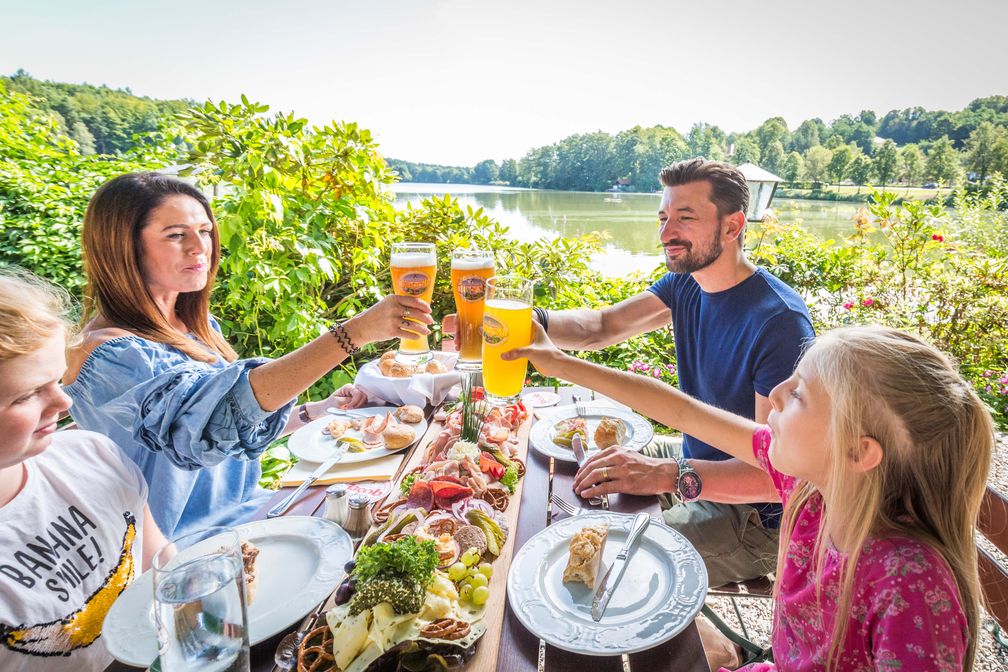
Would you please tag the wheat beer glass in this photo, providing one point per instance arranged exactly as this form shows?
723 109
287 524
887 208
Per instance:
507 324
413 268
469 272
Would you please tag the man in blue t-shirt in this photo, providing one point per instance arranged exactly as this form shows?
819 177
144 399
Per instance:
739 331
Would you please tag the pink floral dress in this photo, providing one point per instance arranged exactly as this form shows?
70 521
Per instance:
905 613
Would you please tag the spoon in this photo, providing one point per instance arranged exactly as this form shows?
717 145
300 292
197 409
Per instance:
286 655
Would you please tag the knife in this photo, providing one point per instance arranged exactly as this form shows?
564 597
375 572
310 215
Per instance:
607 587
315 475
579 455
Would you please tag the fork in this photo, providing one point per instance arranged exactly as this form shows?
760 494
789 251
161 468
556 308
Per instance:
581 409
572 510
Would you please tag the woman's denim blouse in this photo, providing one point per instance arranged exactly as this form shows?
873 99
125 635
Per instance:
194 429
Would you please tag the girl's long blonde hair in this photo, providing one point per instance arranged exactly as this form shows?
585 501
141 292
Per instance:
936 437
31 311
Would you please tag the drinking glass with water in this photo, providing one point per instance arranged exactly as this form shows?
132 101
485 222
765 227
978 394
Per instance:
199 601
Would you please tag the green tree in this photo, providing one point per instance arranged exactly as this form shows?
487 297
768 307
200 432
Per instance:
809 134
745 150
911 164
860 170
980 152
770 131
708 141
886 162
508 171
773 157
817 161
82 136
485 172
838 165
792 167
942 161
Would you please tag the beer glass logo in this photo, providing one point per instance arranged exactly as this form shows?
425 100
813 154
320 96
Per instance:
414 284
471 288
494 332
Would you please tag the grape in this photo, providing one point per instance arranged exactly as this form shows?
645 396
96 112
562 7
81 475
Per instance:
486 569
479 580
465 592
344 593
349 566
457 572
470 557
480 595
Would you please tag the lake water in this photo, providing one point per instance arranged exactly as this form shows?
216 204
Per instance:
629 220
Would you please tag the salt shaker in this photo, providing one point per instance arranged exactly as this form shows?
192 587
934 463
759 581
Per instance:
358 518
336 503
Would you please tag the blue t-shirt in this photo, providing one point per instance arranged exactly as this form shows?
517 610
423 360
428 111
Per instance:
733 344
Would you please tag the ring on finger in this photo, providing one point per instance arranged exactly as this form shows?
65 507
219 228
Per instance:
406 313
605 473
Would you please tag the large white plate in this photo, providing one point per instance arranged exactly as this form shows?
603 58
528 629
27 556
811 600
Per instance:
312 444
661 592
300 562
639 430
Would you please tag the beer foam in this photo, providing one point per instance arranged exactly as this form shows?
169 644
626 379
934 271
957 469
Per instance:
471 264
413 259
507 304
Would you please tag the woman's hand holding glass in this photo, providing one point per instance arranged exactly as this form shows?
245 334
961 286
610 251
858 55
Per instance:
392 317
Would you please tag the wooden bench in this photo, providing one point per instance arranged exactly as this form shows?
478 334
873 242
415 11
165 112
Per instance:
993 525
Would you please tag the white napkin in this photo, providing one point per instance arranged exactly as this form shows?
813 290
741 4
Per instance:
381 469
416 390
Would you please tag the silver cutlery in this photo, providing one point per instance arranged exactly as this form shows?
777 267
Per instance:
572 510
608 586
582 410
579 454
279 509
349 412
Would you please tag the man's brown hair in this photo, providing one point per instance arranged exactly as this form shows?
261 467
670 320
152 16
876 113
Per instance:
729 189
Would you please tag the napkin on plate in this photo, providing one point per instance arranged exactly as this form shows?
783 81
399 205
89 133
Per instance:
416 390
380 469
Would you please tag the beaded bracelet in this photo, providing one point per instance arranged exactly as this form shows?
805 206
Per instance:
343 338
543 318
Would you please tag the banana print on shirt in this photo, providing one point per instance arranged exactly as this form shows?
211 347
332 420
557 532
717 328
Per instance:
81 628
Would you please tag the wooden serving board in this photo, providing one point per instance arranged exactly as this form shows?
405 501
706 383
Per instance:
487 647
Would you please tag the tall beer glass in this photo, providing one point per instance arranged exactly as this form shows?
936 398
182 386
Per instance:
469 272
414 266
507 324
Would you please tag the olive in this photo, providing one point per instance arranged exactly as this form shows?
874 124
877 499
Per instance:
349 566
344 593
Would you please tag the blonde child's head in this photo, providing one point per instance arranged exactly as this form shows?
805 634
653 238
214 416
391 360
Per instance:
900 396
33 333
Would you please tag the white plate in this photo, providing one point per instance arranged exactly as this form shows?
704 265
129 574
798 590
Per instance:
661 592
300 562
312 444
639 430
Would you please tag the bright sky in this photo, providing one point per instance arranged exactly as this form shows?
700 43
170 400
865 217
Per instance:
457 81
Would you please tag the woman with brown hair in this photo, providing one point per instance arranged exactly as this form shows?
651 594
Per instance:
155 374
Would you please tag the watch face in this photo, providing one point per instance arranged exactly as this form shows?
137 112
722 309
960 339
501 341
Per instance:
689 485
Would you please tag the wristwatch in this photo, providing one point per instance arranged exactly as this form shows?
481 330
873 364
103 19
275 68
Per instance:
689 483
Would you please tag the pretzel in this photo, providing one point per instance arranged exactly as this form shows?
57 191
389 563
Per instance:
519 465
497 498
316 651
445 628
381 515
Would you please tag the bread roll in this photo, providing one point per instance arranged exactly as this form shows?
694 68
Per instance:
610 432
586 555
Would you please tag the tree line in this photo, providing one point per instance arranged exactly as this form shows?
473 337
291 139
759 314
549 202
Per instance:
912 146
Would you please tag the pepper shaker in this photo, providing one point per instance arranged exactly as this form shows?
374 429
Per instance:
358 519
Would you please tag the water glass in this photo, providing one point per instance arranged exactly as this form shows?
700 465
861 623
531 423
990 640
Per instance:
507 324
199 603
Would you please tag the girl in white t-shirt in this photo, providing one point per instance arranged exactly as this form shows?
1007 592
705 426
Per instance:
74 525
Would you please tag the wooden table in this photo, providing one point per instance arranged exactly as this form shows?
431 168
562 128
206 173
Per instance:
518 647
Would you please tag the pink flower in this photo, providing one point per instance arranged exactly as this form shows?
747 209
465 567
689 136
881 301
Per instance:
656 373
868 303
1003 379
848 305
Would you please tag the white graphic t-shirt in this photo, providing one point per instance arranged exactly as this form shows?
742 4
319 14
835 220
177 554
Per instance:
70 542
